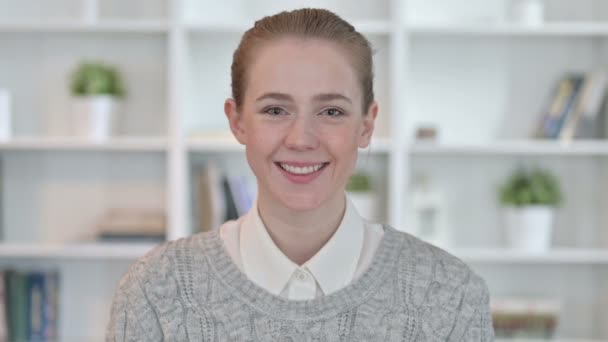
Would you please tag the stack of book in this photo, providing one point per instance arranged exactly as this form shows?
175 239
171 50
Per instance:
576 108
28 306
132 225
525 318
220 197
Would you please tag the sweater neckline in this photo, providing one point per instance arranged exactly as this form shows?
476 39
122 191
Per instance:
248 292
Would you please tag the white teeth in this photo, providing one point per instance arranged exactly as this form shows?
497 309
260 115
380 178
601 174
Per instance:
301 170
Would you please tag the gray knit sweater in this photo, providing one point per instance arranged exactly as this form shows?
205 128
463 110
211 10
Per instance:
190 290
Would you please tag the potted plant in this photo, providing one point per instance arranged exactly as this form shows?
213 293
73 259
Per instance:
96 89
359 190
529 200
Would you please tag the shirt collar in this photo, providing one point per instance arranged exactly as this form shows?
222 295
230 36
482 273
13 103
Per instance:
333 266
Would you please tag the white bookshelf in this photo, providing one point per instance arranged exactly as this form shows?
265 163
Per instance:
482 91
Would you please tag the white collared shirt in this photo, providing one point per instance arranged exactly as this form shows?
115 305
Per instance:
344 258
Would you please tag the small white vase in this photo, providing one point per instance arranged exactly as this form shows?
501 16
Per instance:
529 228
528 12
366 204
93 117
5 115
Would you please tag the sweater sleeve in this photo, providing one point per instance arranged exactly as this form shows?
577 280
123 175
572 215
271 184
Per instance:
132 317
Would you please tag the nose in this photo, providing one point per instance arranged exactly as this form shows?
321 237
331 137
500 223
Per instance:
301 134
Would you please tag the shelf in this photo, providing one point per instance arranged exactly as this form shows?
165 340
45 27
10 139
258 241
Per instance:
75 144
554 256
214 143
122 26
576 29
221 143
543 340
363 26
88 251
515 147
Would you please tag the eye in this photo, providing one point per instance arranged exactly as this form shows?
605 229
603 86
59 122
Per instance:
274 111
333 112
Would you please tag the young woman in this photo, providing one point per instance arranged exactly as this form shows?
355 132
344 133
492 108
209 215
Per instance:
302 265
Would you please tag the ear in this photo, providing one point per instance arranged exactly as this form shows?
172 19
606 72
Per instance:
367 128
235 119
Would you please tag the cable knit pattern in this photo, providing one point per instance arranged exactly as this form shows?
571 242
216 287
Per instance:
190 290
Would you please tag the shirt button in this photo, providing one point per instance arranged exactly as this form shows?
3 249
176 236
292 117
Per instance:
301 275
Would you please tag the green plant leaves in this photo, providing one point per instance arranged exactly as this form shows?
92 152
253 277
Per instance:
358 182
92 78
536 187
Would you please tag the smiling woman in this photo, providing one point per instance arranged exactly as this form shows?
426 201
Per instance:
302 264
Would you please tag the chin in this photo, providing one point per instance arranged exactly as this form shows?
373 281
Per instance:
301 202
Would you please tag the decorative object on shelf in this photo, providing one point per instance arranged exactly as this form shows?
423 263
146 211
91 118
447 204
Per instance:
361 193
90 11
525 318
529 200
96 88
528 12
132 225
429 216
5 115
426 133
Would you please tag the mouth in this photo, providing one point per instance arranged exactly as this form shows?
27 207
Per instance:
302 170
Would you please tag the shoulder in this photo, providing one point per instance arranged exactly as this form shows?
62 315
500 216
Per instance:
430 263
161 271
442 286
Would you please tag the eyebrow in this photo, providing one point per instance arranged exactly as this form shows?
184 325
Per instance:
324 97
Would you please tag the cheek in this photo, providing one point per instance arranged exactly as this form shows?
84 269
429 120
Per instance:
342 138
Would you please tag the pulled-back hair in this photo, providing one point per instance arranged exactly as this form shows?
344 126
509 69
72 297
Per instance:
306 23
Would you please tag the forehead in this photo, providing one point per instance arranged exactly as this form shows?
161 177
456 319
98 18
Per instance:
302 67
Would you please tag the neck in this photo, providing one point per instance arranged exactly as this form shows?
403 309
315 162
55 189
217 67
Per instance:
301 234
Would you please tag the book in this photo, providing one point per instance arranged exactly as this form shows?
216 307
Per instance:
17 305
51 306
525 317
231 210
130 225
35 304
131 238
211 201
243 197
560 106
3 320
588 119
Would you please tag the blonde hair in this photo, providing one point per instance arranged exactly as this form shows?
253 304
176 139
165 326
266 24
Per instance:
307 23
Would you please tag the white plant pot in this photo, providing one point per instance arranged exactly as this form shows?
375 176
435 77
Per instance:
529 228
94 117
366 204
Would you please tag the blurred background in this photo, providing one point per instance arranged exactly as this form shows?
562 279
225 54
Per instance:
490 143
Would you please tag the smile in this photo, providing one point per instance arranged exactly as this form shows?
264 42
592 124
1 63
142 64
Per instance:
305 170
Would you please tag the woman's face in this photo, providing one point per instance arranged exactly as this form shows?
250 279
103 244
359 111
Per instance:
301 122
